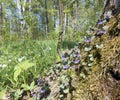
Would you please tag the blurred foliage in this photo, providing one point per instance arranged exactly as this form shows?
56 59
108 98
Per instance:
31 21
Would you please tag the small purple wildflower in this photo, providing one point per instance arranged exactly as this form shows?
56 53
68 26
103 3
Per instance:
78 55
42 91
73 67
100 32
99 22
76 61
87 40
42 94
63 56
65 67
64 59
73 55
39 81
34 95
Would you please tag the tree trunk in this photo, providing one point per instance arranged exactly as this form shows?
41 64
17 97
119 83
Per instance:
46 18
0 18
54 24
74 14
61 24
65 19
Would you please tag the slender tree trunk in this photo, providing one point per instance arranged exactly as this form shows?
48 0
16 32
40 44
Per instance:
21 20
0 18
66 17
54 24
61 25
61 16
65 23
65 20
46 18
74 14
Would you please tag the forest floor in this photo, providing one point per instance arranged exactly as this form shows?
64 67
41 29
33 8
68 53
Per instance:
89 71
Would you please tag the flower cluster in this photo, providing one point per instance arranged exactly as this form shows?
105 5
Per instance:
71 59
42 90
64 86
87 39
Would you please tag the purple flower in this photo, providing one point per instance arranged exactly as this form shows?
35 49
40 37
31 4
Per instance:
78 55
77 61
100 32
87 40
34 95
42 91
73 55
73 67
99 22
65 67
63 57
39 81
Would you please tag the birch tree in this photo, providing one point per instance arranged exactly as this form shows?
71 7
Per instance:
0 17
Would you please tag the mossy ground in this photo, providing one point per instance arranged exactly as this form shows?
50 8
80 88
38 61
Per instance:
103 82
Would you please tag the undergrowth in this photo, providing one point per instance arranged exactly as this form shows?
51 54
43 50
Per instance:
22 61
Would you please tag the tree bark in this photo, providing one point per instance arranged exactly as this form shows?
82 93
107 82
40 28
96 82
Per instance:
74 14
54 24
65 19
0 18
46 18
74 17
61 25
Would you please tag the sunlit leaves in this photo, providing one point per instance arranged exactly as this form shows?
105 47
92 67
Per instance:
27 87
82 75
2 93
66 91
22 67
105 27
99 46
87 48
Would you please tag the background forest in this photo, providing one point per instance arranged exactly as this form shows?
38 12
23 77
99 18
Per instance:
43 19
29 35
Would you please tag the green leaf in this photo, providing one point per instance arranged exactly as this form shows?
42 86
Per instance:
99 46
90 64
66 10
63 77
25 87
66 91
32 85
61 96
90 55
2 93
62 86
83 63
21 67
24 65
87 49
16 74
105 27
91 59
82 75
18 93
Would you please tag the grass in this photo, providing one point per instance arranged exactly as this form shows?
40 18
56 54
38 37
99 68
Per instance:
35 55
23 61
